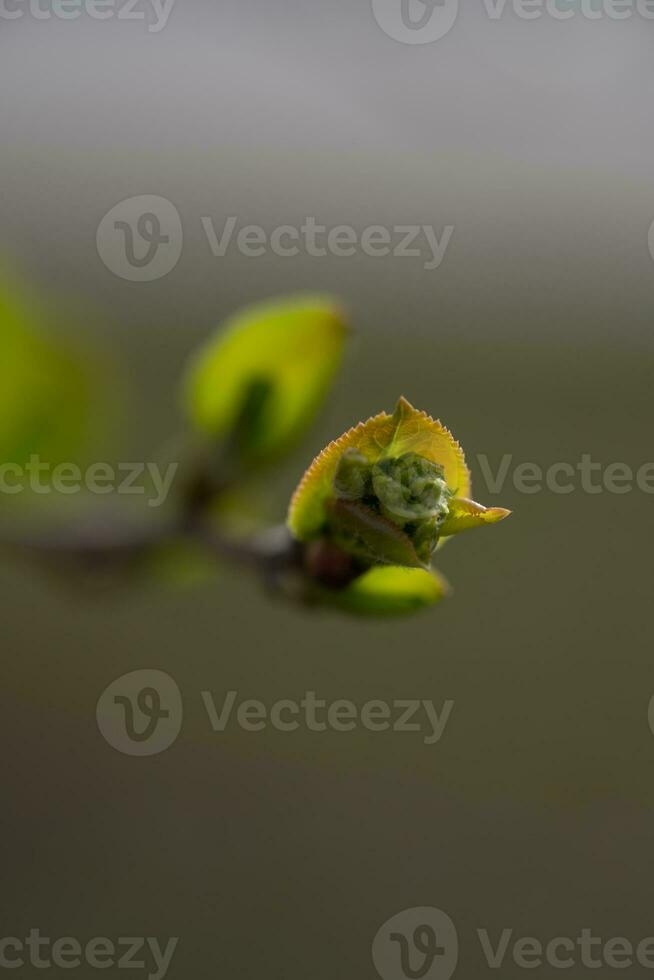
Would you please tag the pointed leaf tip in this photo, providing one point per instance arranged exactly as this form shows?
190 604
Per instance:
466 514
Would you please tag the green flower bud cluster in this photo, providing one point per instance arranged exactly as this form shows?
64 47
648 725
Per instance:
409 490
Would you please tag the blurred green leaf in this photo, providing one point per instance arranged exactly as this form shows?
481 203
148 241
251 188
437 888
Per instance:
389 591
259 383
46 388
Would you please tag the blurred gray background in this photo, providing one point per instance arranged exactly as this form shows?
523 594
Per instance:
278 854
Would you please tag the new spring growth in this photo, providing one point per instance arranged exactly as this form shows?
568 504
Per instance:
374 505
409 491
367 514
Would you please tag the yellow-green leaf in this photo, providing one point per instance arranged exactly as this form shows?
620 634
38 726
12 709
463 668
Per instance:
406 431
259 383
389 591
466 514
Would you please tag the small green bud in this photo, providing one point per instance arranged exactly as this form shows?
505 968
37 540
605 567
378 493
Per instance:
369 499
405 496
410 489
353 476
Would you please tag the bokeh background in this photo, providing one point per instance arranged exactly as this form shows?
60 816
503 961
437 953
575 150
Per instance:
278 854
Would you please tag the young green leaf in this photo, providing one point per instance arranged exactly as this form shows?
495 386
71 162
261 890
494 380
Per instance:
466 514
370 536
386 494
406 432
258 384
